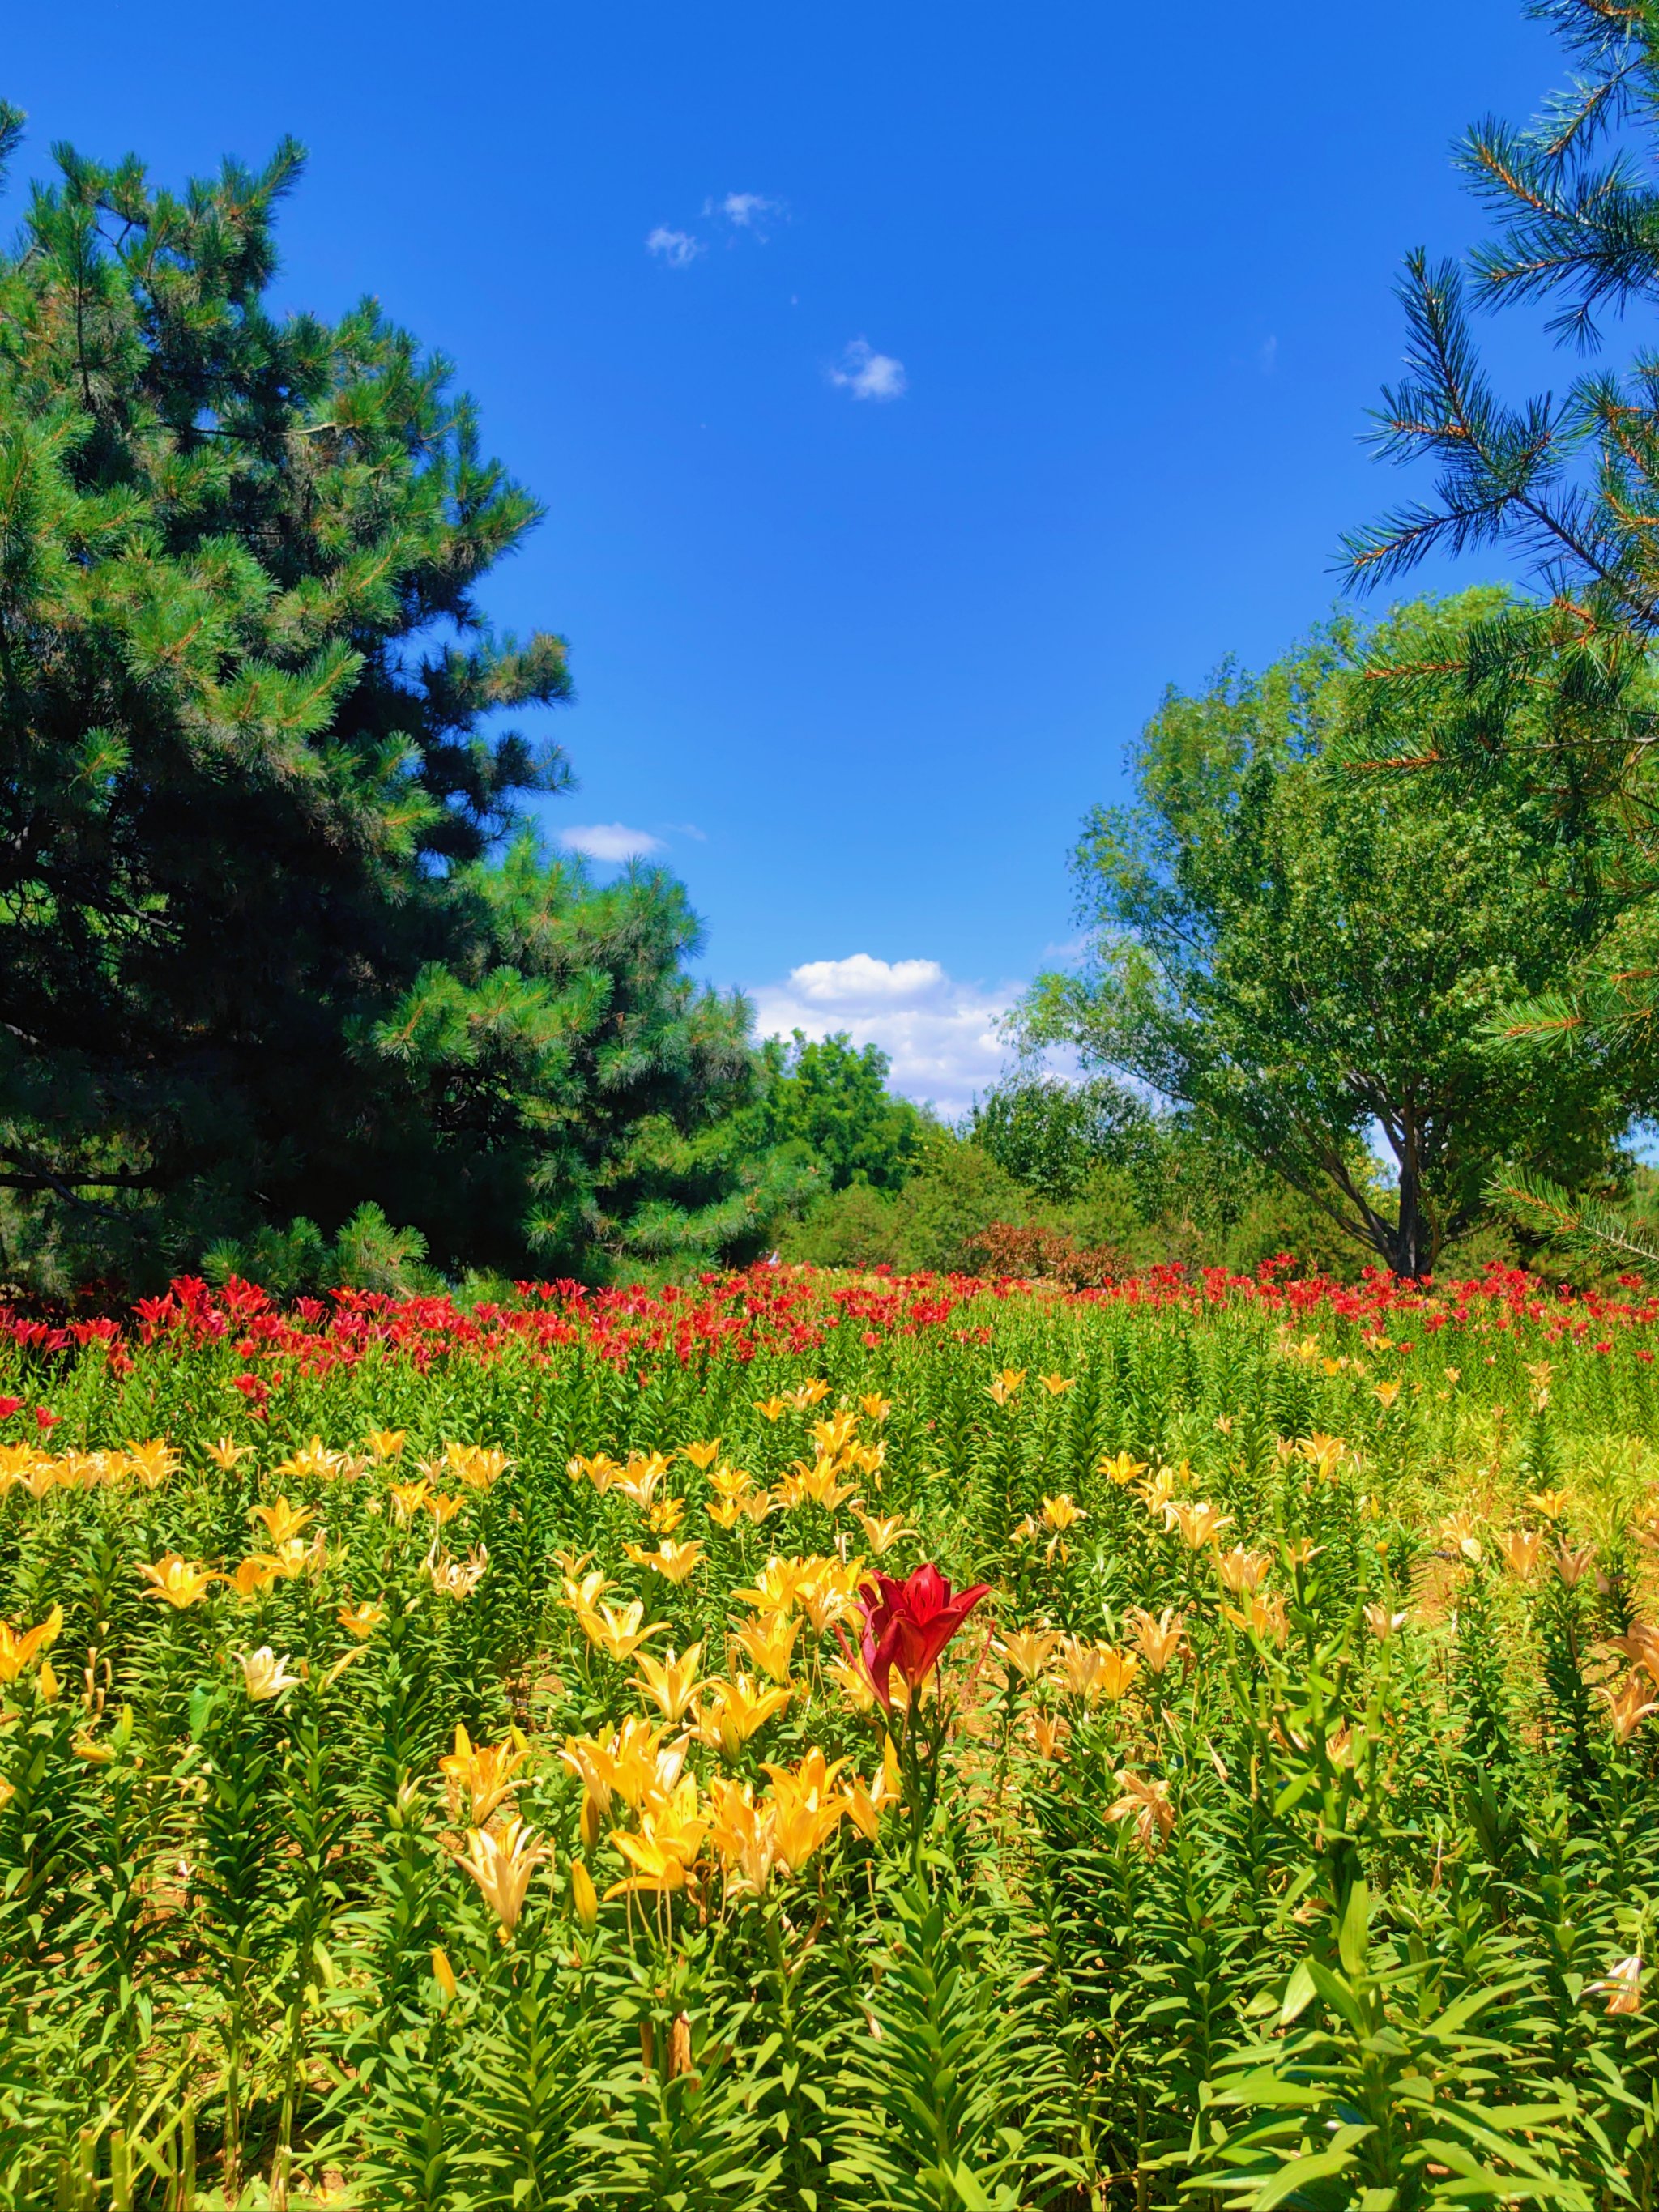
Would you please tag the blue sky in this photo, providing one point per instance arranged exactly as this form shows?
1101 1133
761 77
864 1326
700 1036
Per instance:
991 368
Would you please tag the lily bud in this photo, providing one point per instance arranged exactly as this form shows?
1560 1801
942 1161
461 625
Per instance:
583 1895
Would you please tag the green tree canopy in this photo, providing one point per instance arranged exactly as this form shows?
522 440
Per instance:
1052 1135
833 1099
1307 958
257 955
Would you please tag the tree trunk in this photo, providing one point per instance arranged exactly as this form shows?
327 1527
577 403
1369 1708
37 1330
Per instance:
1411 1243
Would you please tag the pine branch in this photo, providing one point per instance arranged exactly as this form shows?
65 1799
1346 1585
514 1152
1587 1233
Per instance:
12 120
1585 1222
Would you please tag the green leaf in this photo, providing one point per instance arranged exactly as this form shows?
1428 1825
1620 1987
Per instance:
1299 1994
1298 2174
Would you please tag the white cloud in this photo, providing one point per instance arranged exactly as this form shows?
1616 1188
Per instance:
677 248
745 211
868 374
941 1034
1268 355
608 841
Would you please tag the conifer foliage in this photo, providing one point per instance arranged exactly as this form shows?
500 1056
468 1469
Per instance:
275 939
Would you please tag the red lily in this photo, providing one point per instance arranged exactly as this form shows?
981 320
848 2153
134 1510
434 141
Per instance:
907 1624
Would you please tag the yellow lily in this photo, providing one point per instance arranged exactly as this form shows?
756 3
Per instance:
458 1578
639 1478
1096 1670
1047 1733
582 1596
670 1837
282 1520
1628 1706
1241 1571
485 1773
313 1463
674 1562
253 1574
479 1466
1621 1985
1060 1514
868 1801
1324 1453
176 1582
671 1683
1458 1530
19 1647
855 1685
1200 1524
744 1835
808 1812
1522 1548
617 1630
1572 1565
1121 1467
361 1620
817 1485
776 1585
264 1675
732 1711
1261 1616
152 1462
1147 1802
583 1895
1026 1650
502 1866
295 1557
1160 1640
770 1643
881 1532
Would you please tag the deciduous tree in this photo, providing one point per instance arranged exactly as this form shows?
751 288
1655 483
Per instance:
1308 959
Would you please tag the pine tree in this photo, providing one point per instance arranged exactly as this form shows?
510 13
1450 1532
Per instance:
259 954
1556 695
1561 686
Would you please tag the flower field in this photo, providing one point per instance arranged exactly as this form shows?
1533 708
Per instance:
800 1741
